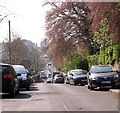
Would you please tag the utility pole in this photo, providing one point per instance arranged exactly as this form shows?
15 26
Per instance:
9 42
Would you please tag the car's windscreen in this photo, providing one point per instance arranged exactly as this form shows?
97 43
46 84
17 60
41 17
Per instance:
20 70
43 73
55 73
100 69
79 72
59 75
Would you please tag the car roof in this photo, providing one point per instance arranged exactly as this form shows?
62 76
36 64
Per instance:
105 65
4 64
18 65
76 70
58 74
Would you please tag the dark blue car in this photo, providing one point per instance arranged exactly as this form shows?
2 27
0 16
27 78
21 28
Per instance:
24 78
102 76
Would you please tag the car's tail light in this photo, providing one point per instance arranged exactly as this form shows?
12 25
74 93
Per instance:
7 76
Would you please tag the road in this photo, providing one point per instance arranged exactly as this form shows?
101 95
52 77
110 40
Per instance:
61 97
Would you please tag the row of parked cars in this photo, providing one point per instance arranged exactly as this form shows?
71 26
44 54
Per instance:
99 76
13 78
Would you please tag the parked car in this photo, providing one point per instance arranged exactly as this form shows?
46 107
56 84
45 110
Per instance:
49 78
102 76
24 77
58 78
55 73
43 75
10 83
77 77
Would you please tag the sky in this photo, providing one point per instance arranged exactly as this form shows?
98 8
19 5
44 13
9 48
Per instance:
27 19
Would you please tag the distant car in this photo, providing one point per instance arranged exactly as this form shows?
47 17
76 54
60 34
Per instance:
58 78
49 78
55 73
77 77
10 83
24 77
32 80
102 76
43 75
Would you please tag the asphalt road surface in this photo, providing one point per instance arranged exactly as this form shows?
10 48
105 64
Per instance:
60 97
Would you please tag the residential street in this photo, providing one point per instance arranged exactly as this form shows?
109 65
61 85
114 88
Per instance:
61 97
59 55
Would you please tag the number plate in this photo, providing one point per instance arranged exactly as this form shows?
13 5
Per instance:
83 80
106 82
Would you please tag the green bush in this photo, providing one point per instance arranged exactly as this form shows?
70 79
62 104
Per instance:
76 61
107 56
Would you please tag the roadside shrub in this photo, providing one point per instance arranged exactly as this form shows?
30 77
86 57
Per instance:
107 56
76 62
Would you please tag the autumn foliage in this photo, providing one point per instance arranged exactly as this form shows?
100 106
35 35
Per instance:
70 27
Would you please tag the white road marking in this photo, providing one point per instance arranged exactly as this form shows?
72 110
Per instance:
64 106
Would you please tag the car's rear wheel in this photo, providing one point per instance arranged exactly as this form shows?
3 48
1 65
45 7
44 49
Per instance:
71 82
74 83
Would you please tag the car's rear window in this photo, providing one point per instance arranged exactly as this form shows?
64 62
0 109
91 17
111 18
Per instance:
4 70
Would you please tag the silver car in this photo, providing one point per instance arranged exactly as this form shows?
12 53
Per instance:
58 78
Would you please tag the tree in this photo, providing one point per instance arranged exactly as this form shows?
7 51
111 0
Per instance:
103 37
4 12
23 52
108 10
68 23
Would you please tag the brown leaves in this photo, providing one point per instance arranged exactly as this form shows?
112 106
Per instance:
65 24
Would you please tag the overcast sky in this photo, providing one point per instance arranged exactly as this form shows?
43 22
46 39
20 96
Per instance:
28 20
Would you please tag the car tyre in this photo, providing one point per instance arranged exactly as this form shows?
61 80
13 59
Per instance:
74 84
91 88
70 82
88 87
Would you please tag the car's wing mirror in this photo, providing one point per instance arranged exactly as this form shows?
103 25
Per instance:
116 71
88 73
29 74
71 74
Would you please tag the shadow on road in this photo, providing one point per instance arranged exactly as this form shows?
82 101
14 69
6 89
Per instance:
22 95
18 96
